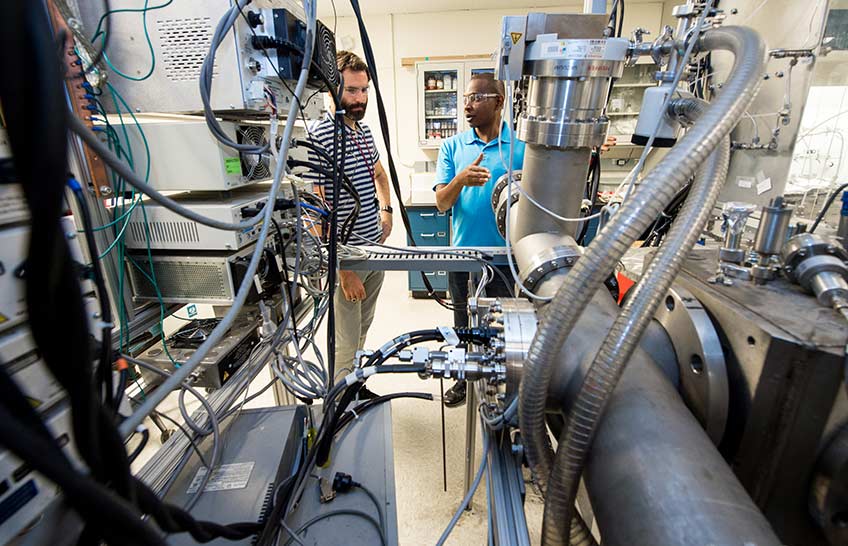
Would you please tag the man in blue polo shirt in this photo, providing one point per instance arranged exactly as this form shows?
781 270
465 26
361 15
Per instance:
469 165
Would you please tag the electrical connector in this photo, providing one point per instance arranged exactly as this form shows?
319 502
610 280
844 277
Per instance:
342 482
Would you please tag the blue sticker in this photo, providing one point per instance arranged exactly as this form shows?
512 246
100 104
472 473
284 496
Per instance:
192 310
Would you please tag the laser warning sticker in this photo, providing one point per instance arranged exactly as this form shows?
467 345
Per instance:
224 478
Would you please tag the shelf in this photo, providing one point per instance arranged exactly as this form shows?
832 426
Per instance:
621 114
439 117
623 85
436 91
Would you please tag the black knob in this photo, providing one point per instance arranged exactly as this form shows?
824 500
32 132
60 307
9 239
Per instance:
254 19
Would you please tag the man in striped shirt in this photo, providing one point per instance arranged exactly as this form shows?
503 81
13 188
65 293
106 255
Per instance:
356 300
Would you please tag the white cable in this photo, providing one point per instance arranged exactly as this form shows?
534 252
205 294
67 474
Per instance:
509 182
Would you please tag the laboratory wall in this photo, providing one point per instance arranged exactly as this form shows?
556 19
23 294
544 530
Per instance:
395 36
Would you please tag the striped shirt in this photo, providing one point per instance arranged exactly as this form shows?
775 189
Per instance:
359 163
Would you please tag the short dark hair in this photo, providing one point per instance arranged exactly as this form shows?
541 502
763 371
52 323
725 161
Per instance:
347 60
492 85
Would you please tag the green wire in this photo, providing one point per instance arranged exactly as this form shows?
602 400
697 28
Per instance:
116 97
125 10
144 11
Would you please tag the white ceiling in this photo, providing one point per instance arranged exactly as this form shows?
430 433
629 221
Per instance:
325 8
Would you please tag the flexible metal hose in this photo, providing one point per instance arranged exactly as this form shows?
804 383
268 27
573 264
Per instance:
658 188
624 336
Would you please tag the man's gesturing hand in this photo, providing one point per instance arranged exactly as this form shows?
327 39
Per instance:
474 174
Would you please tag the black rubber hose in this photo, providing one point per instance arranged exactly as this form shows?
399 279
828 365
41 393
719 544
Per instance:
827 205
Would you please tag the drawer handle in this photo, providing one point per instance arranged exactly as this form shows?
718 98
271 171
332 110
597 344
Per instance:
440 214
427 235
427 214
441 273
430 274
442 234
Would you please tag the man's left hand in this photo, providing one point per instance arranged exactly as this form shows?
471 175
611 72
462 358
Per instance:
605 147
386 225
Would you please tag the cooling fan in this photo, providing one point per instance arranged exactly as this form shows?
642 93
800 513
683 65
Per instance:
325 54
254 166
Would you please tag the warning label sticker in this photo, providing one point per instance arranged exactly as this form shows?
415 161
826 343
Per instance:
225 477
574 49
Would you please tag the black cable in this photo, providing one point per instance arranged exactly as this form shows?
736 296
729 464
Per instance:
145 436
384 129
338 124
34 106
287 284
185 433
621 18
593 184
827 205
357 412
613 17
104 368
375 359
276 68
25 435
347 226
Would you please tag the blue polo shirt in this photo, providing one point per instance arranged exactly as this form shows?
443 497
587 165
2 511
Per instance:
472 219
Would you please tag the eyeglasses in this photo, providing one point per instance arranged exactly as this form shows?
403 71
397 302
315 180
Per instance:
355 90
478 97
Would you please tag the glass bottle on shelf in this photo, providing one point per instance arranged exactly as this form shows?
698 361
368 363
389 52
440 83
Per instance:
431 82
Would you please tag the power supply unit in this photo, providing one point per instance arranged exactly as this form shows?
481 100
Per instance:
167 230
24 493
225 358
202 277
260 450
13 206
185 156
23 363
13 251
180 34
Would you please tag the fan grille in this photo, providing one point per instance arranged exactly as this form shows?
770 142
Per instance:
327 54
253 166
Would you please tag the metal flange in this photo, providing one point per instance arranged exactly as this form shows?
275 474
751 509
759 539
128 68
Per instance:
700 359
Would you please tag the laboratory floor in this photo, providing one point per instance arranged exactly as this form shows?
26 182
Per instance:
423 507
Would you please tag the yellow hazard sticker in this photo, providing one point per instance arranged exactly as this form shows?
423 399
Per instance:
515 37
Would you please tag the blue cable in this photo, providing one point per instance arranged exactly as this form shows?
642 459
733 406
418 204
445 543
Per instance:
313 208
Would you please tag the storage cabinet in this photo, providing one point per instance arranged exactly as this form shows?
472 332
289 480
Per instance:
440 90
626 100
429 228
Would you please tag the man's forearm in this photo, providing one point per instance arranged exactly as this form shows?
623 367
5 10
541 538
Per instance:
446 195
381 185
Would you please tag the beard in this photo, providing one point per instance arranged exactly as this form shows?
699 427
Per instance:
355 111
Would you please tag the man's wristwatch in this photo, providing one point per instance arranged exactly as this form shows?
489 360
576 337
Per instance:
387 208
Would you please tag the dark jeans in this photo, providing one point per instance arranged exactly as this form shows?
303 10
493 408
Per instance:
458 286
